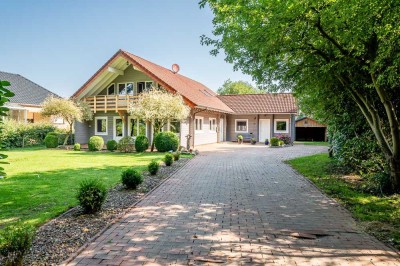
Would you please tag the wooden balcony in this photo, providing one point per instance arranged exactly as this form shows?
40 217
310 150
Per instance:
112 103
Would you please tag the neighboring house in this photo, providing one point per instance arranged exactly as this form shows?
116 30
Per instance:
308 129
212 119
26 105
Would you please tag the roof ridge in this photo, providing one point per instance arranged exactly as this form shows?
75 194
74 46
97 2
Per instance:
263 93
10 73
39 86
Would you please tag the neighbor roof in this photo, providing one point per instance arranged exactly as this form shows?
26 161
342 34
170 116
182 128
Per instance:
192 91
26 91
268 103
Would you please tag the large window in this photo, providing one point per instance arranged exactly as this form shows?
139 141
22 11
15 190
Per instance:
136 127
241 125
198 124
213 124
118 128
175 126
144 86
125 88
282 125
101 126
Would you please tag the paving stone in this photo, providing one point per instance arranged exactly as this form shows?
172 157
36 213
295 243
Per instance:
238 204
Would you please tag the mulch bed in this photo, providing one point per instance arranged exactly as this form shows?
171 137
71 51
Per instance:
58 239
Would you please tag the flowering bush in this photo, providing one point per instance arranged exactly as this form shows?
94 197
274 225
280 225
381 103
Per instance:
285 138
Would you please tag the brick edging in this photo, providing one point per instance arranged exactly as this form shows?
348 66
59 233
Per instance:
115 220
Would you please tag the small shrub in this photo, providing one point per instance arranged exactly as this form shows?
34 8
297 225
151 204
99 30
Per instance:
51 140
77 147
168 159
166 141
126 144
153 167
112 145
141 143
286 139
15 241
239 137
253 141
96 143
176 155
281 143
131 178
274 142
91 195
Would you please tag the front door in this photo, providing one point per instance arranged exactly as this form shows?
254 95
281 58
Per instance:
119 128
265 130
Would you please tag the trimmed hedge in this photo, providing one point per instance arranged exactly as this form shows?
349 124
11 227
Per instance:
153 167
166 141
168 159
17 134
96 143
141 143
112 145
77 147
131 178
91 195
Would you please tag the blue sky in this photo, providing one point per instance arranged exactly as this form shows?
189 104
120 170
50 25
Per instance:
60 44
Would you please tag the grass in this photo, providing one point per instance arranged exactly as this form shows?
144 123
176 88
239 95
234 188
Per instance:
380 216
42 183
316 143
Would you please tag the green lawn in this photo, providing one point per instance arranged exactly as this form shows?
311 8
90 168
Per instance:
316 143
378 215
42 183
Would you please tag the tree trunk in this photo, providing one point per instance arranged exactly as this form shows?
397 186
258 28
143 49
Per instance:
69 135
152 141
394 165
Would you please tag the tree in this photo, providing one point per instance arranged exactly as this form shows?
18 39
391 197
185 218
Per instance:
236 87
158 107
69 110
310 47
5 95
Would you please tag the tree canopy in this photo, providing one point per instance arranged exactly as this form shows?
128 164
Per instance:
158 107
321 47
5 95
237 87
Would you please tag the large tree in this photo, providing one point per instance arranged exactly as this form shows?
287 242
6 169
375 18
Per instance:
67 109
312 46
236 87
158 107
5 95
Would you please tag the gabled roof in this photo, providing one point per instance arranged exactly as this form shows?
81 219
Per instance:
194 93
268 103
26 91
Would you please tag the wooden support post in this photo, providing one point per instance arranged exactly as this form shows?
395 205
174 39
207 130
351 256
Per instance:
105 104
94 104
116 103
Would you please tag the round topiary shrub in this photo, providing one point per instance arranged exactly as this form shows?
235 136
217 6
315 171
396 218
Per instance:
166 141
126 144
51 140
153 167
96 143
112 145
131 178
141 143
91 195
15 242
168 159
77 147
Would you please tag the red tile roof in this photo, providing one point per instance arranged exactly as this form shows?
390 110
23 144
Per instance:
196 93
269 103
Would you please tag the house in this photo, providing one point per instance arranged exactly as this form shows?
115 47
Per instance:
26 104
308 129
212 118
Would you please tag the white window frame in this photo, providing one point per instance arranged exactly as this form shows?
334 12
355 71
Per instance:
212 126
96 132
125 83
247 125
202 124
114 129
114 89
281 120
137 129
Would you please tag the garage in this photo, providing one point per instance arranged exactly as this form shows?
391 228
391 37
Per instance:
308 129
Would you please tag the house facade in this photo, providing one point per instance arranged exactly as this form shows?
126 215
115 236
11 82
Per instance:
26 104
213 118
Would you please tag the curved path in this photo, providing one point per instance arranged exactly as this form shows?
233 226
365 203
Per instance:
237 204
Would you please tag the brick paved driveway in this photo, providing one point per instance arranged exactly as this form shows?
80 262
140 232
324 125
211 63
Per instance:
235 205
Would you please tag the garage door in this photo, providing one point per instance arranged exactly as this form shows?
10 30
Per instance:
310 133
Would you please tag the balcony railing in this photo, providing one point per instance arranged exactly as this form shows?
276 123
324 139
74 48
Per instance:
113 103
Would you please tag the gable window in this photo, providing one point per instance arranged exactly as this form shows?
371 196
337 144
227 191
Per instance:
198 124
282 125
111 89
241 125
101 125
125 88
213 124
144 86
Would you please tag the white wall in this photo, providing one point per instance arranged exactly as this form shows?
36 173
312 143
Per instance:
205 136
